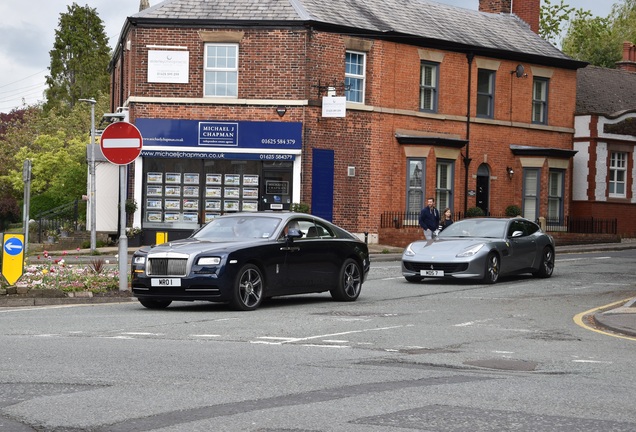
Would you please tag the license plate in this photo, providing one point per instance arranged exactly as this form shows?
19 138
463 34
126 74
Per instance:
432 273
165 282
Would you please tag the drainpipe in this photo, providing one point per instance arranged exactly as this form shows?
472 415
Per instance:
469 56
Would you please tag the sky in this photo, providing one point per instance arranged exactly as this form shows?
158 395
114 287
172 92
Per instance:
27 36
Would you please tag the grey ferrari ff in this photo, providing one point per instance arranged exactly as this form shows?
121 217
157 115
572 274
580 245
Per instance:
483 249
243 258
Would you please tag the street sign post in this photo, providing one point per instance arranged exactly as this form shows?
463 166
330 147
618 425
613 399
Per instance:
12 257
121 143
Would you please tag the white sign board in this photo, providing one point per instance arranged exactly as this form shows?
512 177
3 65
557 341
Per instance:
334 106
168 66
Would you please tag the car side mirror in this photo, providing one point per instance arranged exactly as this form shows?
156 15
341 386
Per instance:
294 233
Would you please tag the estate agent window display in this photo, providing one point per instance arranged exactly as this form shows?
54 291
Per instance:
182 193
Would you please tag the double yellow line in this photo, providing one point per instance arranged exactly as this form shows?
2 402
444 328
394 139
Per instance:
578 319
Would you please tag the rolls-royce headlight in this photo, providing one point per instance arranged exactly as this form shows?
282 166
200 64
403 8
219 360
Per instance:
470 251
206 261
139 260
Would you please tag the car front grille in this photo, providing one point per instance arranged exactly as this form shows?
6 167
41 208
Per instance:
167 266
446 267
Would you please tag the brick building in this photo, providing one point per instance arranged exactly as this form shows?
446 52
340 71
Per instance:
356 108
604 172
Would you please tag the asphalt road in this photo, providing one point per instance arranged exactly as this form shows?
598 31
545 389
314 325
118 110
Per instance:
432 356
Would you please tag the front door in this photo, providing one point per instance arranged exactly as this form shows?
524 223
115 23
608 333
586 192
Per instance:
483 188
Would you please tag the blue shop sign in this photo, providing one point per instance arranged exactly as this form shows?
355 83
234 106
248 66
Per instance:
205 134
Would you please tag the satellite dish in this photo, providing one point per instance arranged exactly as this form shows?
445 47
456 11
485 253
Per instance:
519 70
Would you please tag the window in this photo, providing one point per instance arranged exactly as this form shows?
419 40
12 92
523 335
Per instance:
221 70
485 93
540 101
444 186
415 185
531 193
555 196
354 76
428 86
617 174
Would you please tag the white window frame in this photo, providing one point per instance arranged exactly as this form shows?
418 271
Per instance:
540 100
351 77
444 184
429 87
231 88
556 186
415 184
617 180
531 193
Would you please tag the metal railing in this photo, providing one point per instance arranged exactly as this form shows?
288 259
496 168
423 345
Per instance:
582 225
57 220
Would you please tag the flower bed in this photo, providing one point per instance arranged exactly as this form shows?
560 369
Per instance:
96 277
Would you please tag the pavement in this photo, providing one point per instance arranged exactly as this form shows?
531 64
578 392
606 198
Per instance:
618 317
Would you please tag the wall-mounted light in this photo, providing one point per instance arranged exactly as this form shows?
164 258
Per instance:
281 110
510 172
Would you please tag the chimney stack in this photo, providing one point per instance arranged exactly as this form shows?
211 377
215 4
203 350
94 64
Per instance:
629 57
527 10
143 4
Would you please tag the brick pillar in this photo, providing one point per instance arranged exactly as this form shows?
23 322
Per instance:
495 6
629 57
527 10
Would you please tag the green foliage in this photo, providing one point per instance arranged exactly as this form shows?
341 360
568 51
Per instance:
554 19
513 210
300 207
474 212
79 58
598 40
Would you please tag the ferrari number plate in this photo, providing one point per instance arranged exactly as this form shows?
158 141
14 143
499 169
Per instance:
166 282
432 273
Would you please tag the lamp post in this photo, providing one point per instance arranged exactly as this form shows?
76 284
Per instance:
91 172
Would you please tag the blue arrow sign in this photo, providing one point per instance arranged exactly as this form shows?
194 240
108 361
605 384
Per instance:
13 246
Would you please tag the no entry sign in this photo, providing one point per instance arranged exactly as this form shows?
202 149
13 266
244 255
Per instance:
121 143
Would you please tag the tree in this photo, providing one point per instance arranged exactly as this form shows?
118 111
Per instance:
555 18
79 58
56 142
598 40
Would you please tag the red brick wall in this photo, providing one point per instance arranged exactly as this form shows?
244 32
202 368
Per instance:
290 64
623 211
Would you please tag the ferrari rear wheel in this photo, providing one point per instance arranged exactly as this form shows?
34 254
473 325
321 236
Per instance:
248 289
349 282
546 266
155 304
491 273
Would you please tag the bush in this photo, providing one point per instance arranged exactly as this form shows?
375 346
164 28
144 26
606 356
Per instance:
299 207
474 212
513 210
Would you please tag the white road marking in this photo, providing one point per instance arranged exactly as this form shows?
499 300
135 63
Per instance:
592 361
469 323
205 335
142 334
283 340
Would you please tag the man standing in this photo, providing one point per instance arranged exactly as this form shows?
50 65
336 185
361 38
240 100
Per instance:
429 219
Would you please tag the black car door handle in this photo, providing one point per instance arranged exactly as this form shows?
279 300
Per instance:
290 248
